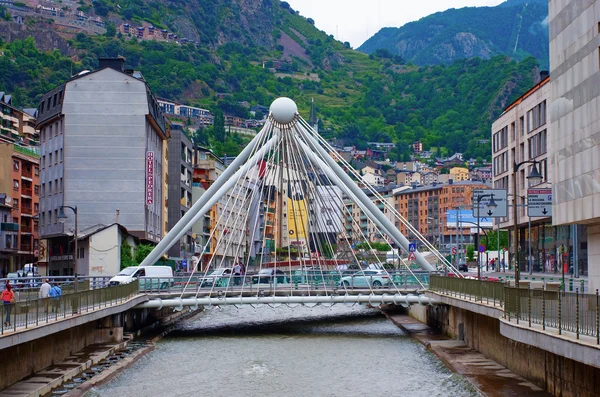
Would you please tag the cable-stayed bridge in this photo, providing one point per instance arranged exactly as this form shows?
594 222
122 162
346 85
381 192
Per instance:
281 207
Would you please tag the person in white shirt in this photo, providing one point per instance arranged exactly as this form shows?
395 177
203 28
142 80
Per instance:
45 289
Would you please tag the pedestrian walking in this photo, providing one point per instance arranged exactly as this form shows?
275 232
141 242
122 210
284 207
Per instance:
8 299
503 265
237 273
55 293
44 292
493 263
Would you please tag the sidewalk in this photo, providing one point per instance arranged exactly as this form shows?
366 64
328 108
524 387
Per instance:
572 283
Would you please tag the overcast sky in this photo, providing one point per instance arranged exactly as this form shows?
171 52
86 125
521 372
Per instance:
357 20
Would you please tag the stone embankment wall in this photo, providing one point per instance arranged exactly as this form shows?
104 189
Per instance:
556 374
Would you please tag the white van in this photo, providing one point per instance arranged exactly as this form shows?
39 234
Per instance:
160 275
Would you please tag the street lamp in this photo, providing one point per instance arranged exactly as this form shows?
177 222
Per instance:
491 205
535 178
62 217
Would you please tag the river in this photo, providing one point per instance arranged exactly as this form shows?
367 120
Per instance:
338 351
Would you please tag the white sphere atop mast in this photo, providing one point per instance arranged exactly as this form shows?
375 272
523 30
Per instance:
283 110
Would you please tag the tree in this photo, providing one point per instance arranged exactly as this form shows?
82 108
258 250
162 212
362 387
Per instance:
126 255
219 126
142 251
111 30
470 252
491 240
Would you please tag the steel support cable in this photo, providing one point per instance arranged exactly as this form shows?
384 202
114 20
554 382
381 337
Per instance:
398 216
343 206
353 197
251 151
314 142
360 229
230 210
302 164
268 132
259 188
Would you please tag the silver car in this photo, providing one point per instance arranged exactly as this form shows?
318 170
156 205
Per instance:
366 279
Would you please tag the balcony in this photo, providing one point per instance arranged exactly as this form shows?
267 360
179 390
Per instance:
26 210
9 227
26 229
26 248
26 192
27 173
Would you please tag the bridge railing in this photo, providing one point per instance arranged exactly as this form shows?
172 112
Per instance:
34 312
478 290
574 312
27 288
311 279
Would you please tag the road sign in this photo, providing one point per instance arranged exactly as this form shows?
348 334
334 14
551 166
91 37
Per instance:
482 248
484 212
412 247
454 250
539 202
412 256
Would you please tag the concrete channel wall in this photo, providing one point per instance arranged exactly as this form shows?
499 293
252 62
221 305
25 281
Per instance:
34 349
554 373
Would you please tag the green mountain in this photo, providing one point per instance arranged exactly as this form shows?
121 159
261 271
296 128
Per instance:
516 28
278 53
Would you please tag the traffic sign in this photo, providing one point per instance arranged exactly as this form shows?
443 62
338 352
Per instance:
454 250
412 256
412 247
482 248
499 198
539 202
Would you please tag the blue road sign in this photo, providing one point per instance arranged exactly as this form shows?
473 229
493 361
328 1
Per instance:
412 247
482 248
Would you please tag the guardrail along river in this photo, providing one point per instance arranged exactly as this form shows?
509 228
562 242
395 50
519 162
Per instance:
338 351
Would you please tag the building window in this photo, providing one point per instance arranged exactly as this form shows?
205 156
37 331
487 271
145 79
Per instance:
80 253
56 157
35 225
37 171
15 184
15 165
36 207
16 204
50 188
50 160
537 144
36 189
61 156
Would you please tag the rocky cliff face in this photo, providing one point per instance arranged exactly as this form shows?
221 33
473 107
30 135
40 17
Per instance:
45 38
515 28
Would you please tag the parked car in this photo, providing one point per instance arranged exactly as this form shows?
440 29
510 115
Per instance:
462 266
219 278
269 276
157 273
366 278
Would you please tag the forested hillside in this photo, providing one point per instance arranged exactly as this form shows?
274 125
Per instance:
515 28
359 97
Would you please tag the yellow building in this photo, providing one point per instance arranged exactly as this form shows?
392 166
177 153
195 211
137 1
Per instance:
459 174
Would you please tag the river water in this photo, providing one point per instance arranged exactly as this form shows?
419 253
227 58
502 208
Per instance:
339 351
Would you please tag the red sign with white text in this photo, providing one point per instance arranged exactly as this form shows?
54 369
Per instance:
149 178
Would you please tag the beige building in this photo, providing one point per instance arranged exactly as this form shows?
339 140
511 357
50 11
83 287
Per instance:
575 120
521 133
459 174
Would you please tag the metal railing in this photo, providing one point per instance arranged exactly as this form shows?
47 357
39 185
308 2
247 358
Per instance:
34 312
490 292
566 311
27 288
574 312
299 279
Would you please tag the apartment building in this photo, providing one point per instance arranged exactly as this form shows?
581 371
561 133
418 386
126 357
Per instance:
426 209
102 139
522 133
180 187
20 190
575 121
17 125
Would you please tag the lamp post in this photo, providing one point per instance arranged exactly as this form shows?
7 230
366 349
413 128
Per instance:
535 178
491 206
62 217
